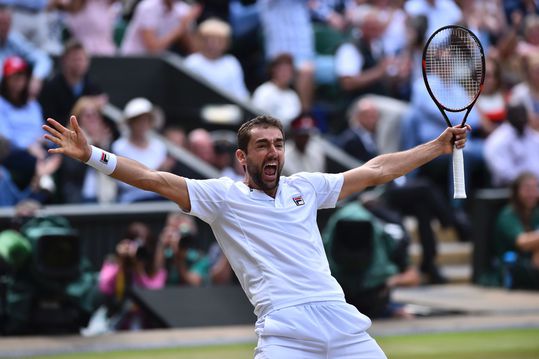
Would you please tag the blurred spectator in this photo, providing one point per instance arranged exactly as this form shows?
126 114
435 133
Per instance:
92 23
38 23
72 82
287 28
185 263
15 44
303 152
486 18
530 43
77 182
21 115
136 262
159 25
492 104
517 235
139 144
527 92
363 67
438 12
200 143
512 148
369 258
213 64
275 97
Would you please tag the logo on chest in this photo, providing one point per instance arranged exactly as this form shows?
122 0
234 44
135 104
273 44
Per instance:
298 200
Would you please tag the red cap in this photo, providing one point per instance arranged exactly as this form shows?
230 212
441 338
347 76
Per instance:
303 124
13 65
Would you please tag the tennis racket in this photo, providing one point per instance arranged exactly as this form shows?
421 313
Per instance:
454 70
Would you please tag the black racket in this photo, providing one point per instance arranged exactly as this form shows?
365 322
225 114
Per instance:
454 71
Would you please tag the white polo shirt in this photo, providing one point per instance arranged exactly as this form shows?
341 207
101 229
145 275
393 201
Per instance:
273 244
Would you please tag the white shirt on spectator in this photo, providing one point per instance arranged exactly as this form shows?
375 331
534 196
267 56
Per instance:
442 13
152 157
508 155
281 104
151 14
225 73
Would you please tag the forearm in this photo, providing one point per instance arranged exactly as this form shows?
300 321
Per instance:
528 242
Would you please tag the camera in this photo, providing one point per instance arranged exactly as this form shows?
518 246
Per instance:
187 238
141 251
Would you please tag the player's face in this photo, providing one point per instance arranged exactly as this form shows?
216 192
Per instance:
264 159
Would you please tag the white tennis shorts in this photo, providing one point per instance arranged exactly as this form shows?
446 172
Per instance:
318 330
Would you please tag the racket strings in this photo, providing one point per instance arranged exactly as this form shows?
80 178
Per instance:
454 68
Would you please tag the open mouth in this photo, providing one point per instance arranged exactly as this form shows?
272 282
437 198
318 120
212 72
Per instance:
270 171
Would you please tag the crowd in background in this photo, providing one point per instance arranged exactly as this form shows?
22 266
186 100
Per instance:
347 71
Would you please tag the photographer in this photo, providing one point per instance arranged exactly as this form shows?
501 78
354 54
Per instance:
136 262
185 264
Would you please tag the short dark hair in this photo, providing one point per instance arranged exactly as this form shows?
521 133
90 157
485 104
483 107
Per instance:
244 133
72 44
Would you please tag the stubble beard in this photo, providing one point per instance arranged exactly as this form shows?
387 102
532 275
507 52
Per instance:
255 173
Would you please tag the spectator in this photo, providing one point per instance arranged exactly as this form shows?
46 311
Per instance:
92 23
511 148
135 263
38 23
138 144
14 44
200 143
517 234
486 18
213 64
159 25
287 28
185 264
492 104
438 12
369 258
21 115
275 97
363 67
77 182
72 82
527 92
303 152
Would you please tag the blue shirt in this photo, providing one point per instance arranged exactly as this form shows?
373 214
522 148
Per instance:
17 45
21 125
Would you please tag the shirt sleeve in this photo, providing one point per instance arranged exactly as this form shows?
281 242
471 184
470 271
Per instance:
327 187
206 197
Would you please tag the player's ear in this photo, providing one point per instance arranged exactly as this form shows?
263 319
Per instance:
241 156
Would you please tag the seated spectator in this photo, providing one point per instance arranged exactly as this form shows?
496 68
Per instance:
135 263
511 148
15 44
492 104
363 67
200 143
139 118
21 115
275 97
303 152
185 263
438 12
517 235
77 182
369 258
527 91
72 82
159 25
213 64
92 23
277 17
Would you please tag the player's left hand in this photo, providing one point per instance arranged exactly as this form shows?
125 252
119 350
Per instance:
455 136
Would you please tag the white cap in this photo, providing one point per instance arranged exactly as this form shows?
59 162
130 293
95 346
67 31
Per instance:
137 107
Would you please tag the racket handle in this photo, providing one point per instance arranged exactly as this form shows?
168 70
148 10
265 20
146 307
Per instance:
458 174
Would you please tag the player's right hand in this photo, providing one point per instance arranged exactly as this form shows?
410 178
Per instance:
71 142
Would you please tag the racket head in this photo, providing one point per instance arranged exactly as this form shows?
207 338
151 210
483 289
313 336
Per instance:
453 67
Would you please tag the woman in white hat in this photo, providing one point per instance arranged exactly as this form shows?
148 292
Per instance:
137 143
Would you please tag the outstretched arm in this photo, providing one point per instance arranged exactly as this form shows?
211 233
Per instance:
387 167
72 142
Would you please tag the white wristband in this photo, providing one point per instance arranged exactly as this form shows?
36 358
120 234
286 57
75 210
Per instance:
102 160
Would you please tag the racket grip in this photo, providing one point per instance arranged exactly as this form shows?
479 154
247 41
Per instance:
458 174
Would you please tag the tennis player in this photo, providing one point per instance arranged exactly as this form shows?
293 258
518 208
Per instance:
266 226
